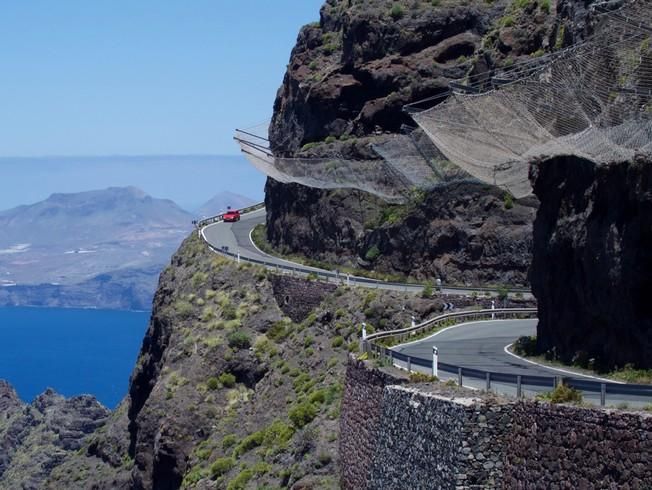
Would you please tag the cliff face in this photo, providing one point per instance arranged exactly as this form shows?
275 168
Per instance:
591 264
348 79
37 437
464 233
238 383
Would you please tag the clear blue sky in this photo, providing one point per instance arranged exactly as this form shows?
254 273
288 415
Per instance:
87 77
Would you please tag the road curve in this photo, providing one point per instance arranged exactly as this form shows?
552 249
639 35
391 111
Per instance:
480 345
237 238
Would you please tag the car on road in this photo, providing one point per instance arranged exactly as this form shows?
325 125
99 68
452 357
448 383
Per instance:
232 215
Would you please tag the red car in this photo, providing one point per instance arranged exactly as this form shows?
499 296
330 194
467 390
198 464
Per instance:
232 215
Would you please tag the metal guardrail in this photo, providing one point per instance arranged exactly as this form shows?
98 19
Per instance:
404 334
371 345
220 217
336 276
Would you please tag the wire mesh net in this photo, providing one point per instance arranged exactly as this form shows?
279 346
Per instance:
399 164
592 101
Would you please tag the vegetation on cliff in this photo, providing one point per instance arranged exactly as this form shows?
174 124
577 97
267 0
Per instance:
228 390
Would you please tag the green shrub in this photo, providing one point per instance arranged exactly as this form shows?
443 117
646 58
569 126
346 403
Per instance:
330 139
240 481
278 331
198 279
213 383
526 346
221 466
229 312
545 6
277 434
503 293
248 443
318 396
422 378
229 441
562 394
227 380
183 308
239 340
507 21
396 12
427 290
372 254
337 342
508 200
302 414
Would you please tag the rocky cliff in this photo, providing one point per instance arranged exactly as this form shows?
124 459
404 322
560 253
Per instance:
238 383
591 266
348 79
37 437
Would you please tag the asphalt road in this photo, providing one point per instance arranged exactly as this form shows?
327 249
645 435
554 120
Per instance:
480 345
477 345
236 236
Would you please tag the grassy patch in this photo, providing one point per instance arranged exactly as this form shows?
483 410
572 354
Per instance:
562 394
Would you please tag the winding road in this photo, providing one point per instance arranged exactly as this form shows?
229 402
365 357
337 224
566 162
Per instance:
476 345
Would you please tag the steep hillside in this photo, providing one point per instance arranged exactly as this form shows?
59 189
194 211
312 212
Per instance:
348 79
238 380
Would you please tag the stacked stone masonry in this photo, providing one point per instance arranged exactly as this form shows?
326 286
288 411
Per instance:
431 436
297 297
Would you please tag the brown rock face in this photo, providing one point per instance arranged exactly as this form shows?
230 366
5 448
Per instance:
349 77
462 233
591 269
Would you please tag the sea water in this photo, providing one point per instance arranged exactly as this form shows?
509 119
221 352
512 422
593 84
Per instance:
72 351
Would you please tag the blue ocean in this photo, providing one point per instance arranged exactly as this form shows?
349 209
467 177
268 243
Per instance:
73 351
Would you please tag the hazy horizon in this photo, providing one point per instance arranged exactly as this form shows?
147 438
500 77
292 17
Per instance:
188 180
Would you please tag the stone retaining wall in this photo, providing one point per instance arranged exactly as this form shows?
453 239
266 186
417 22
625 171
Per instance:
433 436
297 297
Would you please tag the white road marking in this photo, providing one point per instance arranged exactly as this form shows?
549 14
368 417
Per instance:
565 371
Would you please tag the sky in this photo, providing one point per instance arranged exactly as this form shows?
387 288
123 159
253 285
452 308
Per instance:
140 77
147 77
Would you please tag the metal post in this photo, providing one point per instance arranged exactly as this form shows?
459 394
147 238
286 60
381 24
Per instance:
603 394
488 381
459 376
363 341
238 256
493 307
435 361
519 390
409 364
414 322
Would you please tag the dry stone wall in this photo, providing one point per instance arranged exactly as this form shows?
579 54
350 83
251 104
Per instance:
297 296
395 436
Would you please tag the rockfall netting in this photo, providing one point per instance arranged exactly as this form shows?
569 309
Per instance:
401 163
593 100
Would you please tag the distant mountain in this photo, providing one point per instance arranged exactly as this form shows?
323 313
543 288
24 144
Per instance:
70 239
221 201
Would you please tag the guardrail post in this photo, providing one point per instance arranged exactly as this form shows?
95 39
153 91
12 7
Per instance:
238 257
488 387
519 388
459 376
391 357
409 364
603 394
